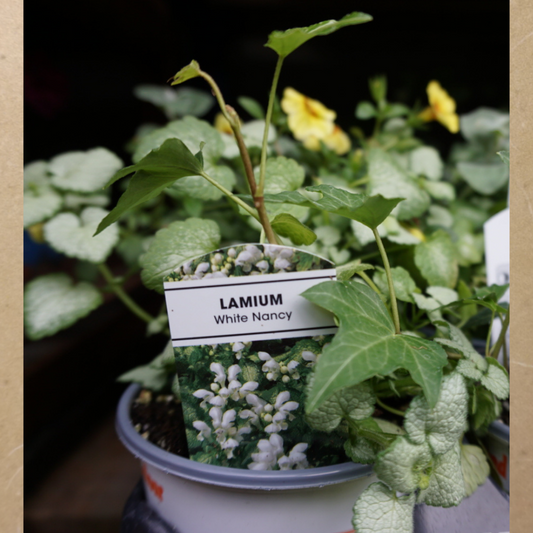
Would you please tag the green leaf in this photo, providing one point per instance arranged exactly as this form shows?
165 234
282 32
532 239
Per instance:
391 181
40 203
176 103
191 132
504 156
288 226
282 174
199 188
175 244
285 42
475 467
73 235
436 260
439 216
496 379
83 171
366 344
380 510
147 377
484 178
484 123
36 173
395 110
446 485
365 111
440 190
426 161
192 70
441 426
404 466
158 170
53 302
347 271
252 107
403 283
355 402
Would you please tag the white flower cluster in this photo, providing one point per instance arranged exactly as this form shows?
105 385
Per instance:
275 370
281 257
271 453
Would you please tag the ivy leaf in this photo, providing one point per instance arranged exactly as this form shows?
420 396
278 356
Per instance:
288 226
379 509
83 171
73 235
446 485
442 425
475 467
285 42
192 70
390 180
355 402
484 178
158 170
175 244
435 258
366 344
53 302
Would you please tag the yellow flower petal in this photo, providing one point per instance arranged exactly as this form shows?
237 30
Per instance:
338 141
442 107
222 124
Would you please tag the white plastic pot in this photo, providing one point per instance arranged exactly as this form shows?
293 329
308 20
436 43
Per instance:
497 443
199 498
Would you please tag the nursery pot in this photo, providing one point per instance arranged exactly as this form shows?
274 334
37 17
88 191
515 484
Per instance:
497 443
195 497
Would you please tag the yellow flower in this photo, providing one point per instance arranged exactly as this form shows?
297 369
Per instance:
222 124
338 141
307 117
37 232
441 107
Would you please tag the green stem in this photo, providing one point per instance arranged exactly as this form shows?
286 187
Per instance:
399 383
389 409
393 302
501 339
119 291
489 334
268 118
230 195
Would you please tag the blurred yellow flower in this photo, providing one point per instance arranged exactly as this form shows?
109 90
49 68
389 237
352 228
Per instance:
337 140
222 124
441 107
307 117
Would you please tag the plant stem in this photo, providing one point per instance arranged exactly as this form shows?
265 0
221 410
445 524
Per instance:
399 383
119 291
501 339
489 334
389 409
231 196
268 118
393 302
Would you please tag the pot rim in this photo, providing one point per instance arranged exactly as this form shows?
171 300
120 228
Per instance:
222 476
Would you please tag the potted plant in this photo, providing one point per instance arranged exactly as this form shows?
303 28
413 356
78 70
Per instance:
396 387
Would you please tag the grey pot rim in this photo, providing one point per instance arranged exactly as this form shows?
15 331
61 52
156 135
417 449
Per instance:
221 476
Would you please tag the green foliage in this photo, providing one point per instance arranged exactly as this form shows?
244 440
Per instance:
288 226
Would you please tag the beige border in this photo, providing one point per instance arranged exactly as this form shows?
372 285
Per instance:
521 474
11 344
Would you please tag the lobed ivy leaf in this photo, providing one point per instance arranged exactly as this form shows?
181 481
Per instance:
152 174
288 226
442 425
192 70
390 180
356 402
379 509
72 235
173 245
435 258
53 302
285 42
83 171
475 467
366 344
446 484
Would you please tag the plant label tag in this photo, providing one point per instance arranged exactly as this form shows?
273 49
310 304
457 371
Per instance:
251 308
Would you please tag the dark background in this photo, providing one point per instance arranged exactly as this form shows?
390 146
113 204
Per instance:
84 58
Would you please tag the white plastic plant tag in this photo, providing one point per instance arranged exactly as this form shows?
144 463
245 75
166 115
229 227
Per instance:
496 231
245 341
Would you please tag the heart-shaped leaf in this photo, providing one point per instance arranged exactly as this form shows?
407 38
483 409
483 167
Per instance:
40 203
366 344
83 171
484 178
158 170
475 467
73 235
175 244
282 174
53 302
285 42
288 226
426 161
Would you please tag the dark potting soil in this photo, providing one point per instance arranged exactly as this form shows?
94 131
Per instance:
159 419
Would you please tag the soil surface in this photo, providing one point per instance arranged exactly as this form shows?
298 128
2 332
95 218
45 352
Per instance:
159 419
